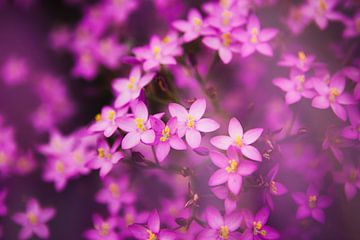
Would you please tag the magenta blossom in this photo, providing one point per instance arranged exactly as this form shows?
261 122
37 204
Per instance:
350 177
311 204
296 87
221 228
239 139
166 137
191 123
322 11
15 71
192 28
106 120
109 52
232 169
331 94
230 200
115 193
273 187
33 220
255 39
106 157
256 228
302 61
152 231
137 126
103 229
353 130
352 26
128 89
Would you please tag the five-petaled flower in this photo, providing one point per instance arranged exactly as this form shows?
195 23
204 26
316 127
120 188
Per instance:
104 229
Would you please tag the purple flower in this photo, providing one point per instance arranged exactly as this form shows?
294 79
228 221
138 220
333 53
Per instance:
109 52
106 157
137 126
128 89
311 204
59 171
352 26
115 193
230 200
295 87
191 123
256 228
322 11
33 220
152 231
191 28
106 121
350 177
331 94
255 39
273 187
232 169
15 71
221 228
302 61
239 139
166 137
103 229
353 130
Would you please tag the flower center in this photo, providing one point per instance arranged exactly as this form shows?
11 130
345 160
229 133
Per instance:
111 115
323 5
131 85
257 226
226 17
32 218
238 141
254 35
226 38
312 199
59 167
232 167
197 21
190 121
98 117
156 51
140 124
224 232
301 56
114 189
273 187
166 39
333 94
101 152
165 134
151 235
104 229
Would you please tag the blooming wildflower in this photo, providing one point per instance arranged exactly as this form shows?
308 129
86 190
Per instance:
103 229
296 87
109 52
335 142
322 11
192 28
86 65
273 187
106 121
25 163
331 94
59 171
254 38
119 10
221 227
3 207
115 193
239 139
311 204
191 123
352 26
159 52
302 61
129 217
128 89
106 157
166 137
230 200
350 177
58 144
33 220
256 228
137 126
353 130
297 19
60 38
15 71
232 169
152 231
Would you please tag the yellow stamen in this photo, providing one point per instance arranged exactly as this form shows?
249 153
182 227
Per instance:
165 134
224 232
32 218
273 187
226 16
156 50
323 5
238 141
111 115
140 124
312 199
254 35
257 225
101 152
263 232
151 235
301 56
226 38
78 157
129 219
98 117
104 229
131 85
333 94
300 78
59 167
166 39
114 189
190 121
197 21
232 167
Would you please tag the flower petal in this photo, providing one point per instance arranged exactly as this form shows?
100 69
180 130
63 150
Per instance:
207 125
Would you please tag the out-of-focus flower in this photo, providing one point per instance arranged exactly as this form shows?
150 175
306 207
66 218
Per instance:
166 137
152 230
191 123
256 228
353 130
297 19
128 89
33 220
350 177
254 38
230 200
322 11
15 71
129 217
311 204
119 10
108 52
239 139
273 187
232 169
106 121
221 227
302 61
104 229
192 28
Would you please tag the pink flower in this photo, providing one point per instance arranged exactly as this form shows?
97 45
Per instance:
137 126
350 177
106 121
273 187
115 193
297 19
352 26
255 39
33 220
103 229
302 61
230 200
353 130
221 227
191 28
295 87
166 137
239 139
128 89
322 11
331 94
59 171
256 228
191 123
159 52
15 71
109 52
106 158
86 65
232 169
152 230
311 204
